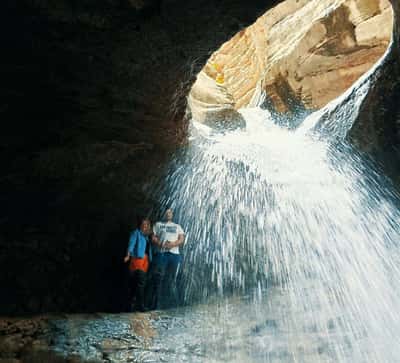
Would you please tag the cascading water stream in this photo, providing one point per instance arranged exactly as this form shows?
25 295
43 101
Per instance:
301 220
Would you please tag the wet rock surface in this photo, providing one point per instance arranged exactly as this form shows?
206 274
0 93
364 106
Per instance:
238 329
74 338
21 340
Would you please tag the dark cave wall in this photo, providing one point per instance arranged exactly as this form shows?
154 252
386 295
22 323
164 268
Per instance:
377 128
92 106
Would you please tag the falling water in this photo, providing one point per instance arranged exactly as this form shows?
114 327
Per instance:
297 217
291 252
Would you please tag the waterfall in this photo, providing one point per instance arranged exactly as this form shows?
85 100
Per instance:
299 212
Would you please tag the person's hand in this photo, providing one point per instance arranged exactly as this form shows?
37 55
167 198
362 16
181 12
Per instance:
156 240
126 258
168 245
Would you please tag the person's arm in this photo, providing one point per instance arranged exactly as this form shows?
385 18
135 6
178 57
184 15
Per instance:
155 239
131 246
178 242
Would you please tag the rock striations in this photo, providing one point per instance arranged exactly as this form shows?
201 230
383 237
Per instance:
300 53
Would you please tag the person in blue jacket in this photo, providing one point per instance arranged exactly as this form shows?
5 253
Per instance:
139 255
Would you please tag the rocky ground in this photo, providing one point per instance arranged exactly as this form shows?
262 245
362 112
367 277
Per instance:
58 338
21 340
237 329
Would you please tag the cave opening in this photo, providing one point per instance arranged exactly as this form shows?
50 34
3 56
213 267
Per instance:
292 73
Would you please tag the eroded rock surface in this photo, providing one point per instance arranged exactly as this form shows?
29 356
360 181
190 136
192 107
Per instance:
299 53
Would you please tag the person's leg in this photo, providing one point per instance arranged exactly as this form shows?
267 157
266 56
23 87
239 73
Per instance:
148 290
158 272
131 289
140 285
172 270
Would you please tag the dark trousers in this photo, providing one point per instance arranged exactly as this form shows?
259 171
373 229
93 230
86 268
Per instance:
138 280
164 275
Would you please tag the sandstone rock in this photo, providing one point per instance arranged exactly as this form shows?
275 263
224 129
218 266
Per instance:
309 52
211 104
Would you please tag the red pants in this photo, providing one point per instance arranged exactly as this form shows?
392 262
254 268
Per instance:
139 263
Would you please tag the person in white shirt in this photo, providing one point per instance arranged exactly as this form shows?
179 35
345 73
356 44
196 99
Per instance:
168 237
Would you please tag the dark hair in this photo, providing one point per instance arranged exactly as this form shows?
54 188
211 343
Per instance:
140 219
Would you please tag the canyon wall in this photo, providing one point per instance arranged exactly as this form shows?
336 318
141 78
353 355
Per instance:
299 54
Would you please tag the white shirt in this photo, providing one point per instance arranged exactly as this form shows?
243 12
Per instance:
168 231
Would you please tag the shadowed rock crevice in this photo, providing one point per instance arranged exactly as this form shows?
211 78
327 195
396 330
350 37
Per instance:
377 128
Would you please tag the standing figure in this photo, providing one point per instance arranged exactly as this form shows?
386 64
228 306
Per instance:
167 238
139 255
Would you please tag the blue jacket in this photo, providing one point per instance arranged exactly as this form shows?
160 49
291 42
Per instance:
137 244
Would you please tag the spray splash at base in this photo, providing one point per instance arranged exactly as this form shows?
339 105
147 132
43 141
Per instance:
266 206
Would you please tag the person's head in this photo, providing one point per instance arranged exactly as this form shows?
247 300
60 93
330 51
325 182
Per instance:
145 226
169 214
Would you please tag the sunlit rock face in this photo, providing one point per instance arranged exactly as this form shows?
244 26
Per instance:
298 53
211 104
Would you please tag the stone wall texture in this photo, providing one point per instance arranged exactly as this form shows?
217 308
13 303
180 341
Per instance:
300 53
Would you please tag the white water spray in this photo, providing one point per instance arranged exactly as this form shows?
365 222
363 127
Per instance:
267 206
